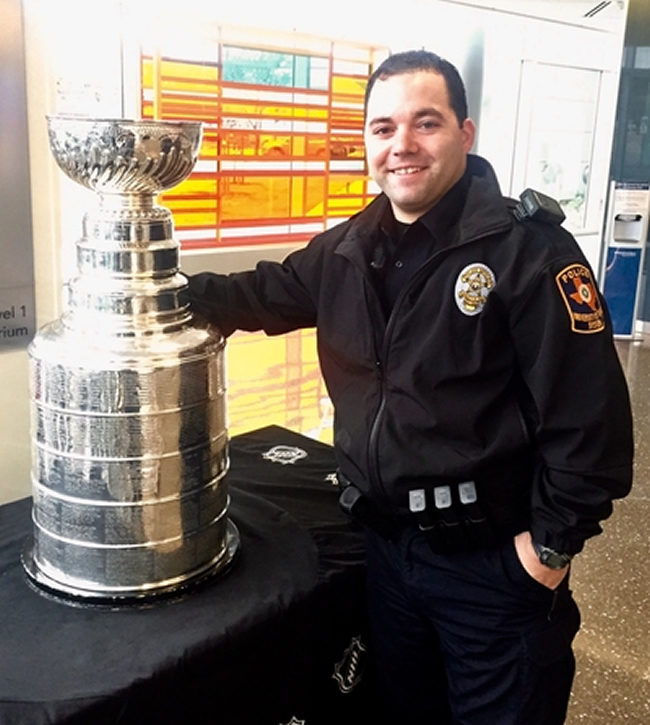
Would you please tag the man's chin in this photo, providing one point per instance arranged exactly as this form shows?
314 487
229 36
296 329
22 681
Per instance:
409 208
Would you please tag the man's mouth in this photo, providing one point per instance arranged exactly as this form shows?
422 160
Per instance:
407 170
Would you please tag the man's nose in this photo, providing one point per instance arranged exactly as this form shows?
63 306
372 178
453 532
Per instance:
404 140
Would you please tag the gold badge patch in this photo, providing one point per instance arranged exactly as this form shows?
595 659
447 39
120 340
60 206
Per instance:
581 299
473 286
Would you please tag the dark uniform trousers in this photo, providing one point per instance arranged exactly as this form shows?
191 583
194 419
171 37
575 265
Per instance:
468 638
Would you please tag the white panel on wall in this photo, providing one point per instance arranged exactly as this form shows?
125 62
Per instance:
556 129
17 309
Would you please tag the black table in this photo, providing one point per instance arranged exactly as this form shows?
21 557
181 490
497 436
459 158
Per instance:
277 639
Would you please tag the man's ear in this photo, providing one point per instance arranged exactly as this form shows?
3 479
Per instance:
469 134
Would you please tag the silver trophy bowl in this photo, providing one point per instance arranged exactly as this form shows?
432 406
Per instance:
129 431
122 156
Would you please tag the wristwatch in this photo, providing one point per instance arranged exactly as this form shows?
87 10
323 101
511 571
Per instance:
551 558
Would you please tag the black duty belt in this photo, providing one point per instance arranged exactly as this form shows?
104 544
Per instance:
450 516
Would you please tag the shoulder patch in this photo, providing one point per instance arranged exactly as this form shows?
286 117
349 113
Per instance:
581 299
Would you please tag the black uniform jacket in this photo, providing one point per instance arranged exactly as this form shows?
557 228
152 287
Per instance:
496 365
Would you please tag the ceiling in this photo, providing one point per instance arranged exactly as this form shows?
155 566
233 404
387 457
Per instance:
606 14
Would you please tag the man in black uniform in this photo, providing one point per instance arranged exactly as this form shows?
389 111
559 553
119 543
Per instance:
482 421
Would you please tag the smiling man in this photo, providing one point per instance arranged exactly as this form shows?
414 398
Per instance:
415 144
453 332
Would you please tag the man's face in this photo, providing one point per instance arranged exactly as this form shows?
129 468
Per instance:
415 148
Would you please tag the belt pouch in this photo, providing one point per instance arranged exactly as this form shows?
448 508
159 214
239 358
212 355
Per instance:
478 529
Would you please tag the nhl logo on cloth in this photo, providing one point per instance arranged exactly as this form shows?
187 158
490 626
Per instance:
284 454
581 299
473 286
349 671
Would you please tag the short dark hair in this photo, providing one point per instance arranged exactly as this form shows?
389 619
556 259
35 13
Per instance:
411 61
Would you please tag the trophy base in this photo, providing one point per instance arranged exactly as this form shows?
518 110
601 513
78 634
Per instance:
73 594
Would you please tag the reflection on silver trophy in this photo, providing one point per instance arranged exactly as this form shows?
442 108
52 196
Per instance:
129 441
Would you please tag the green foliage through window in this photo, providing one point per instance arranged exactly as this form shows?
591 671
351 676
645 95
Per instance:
269 68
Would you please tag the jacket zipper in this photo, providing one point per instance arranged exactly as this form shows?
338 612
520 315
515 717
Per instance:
372 458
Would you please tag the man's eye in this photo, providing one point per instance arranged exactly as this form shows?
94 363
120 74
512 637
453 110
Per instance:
428 125
381 131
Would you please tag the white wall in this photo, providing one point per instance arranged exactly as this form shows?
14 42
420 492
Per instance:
70 67
16 265
537 49
78 54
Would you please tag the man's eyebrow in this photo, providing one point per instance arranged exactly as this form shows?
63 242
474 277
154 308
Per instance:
430 111
422 113
379 120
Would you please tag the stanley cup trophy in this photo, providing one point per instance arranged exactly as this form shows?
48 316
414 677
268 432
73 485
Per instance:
129 437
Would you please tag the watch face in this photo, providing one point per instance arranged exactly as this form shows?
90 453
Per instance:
552 559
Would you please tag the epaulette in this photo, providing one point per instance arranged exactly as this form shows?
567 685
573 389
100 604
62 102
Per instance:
535 205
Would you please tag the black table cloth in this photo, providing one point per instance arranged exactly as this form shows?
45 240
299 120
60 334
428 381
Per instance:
277 639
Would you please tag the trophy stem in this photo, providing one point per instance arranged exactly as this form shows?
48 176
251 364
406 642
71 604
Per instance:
133 201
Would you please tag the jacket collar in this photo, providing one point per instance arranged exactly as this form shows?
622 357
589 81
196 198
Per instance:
485 211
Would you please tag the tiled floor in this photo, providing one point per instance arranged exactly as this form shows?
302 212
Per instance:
611 584
276 380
